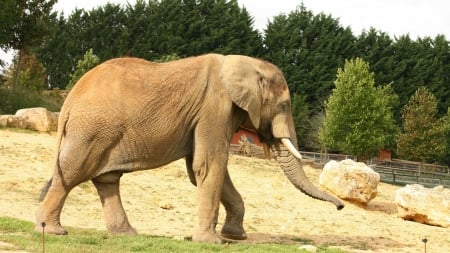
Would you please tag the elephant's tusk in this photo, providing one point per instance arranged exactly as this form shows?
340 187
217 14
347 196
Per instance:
288 144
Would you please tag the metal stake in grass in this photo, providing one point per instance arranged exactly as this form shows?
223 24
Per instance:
425 240
43 237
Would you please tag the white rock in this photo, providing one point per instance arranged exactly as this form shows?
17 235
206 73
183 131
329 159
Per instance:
39 119
4 120
425 205
350 180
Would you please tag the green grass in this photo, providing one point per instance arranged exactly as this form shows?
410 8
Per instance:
21 234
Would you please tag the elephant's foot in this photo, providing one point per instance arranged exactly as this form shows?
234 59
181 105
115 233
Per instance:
123 231
233 232
206 236
48 225
50 229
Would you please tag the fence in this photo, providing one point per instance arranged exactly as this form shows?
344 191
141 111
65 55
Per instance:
255 150
392 171
407 172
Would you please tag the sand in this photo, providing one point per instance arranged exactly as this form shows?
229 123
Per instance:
163 202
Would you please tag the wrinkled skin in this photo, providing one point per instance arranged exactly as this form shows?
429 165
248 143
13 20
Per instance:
129 114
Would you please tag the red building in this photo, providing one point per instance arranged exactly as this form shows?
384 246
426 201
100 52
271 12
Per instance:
252 137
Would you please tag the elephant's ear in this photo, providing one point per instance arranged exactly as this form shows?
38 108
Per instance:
243 81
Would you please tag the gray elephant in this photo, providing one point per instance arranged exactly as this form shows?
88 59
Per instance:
119 115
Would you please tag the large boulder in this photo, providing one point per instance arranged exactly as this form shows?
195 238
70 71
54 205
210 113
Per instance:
425 205
350 180
12 121
39 119
4 120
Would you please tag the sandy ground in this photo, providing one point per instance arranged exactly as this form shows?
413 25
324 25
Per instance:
163 202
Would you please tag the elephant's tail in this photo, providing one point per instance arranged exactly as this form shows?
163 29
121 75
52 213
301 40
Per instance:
44 190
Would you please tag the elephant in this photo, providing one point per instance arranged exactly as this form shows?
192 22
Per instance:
129 114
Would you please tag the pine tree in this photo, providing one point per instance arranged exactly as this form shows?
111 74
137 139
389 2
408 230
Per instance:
309 49
358 117
300 114
423 133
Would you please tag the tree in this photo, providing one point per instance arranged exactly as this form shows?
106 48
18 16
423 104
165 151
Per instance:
150 30
32 76
309 49
300 115
167 58
423 133
358 116
9 16
89 61
446 155
33 18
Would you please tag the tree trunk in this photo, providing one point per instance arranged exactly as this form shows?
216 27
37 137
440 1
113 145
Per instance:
17 69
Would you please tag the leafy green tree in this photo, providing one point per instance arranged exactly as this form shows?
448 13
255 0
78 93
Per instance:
167 58
89 61
423 132
32 76
358 117
32 24
9 16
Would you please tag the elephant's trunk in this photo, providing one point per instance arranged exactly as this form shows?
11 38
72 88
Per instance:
292 167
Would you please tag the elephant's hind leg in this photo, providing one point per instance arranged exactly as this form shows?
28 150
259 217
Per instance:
115 217
51 207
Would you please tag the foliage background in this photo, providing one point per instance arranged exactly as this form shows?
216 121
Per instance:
308 47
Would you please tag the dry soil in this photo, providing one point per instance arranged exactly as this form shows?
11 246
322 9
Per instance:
163 202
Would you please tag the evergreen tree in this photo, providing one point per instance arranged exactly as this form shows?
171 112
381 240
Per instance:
358 117
446 155
423 133
300 114
149 30
308 48
89 61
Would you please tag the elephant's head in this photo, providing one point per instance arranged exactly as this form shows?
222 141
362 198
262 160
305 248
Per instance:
260 88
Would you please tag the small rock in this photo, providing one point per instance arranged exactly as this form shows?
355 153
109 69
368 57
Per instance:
167 207
309 248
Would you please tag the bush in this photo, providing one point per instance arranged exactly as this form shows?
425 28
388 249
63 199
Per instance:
12 100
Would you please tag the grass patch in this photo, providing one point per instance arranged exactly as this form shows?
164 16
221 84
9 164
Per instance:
22 236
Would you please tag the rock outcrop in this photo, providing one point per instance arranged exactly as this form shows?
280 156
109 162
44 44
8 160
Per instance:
425 205
350 180
38 119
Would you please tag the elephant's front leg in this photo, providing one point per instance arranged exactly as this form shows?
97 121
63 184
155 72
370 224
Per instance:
115 217
209 173
234 206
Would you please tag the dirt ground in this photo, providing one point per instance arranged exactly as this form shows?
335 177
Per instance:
163 202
